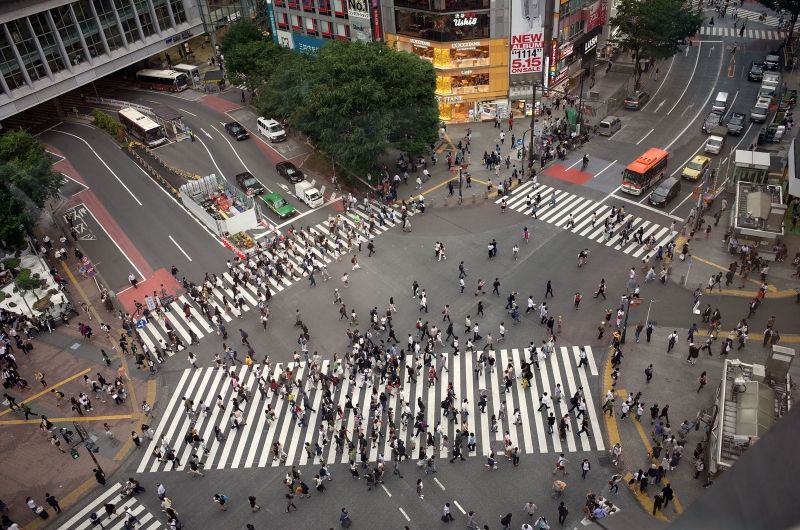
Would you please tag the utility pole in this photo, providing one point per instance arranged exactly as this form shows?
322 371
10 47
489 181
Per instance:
90 445
534 85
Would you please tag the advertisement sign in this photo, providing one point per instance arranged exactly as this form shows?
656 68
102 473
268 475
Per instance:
285 39
272 24
595 15
527 36
360 30
358 9
306 44
377 30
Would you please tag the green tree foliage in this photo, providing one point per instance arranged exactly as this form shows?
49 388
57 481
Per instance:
237 34
653 29
27 181
108 124
353 100
790 6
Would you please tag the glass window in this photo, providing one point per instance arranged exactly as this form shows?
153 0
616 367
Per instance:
178 11
324 6
311 26
162 15
444 5
338 7
127 20
27 48
105 12
297 22
145 18
443 28
12 72
50 48
342 31
88 25
325 27
69 34
283 20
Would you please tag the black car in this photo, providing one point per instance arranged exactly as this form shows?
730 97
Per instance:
290 172
236 130
711 121
248 182
756 72
665 192
772 61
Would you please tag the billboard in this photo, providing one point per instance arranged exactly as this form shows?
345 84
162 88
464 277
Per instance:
527 36
358 9
595 15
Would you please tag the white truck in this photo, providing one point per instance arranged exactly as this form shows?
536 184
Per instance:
770 84
307 193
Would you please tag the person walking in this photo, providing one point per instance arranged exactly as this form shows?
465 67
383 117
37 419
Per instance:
344 519
562 513
420 487
253 505
52 501
648 373
472 524
447 517
585 467
703 380
222 501
549 290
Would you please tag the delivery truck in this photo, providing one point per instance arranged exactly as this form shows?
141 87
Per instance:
307 193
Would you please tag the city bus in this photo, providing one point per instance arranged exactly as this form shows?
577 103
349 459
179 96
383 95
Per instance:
141 127
645 171
163 80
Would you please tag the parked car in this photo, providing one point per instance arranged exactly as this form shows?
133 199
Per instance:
711 121
736 123
278 204
236 130
289 171
666 191
714 144
637 101
756 72
772 61
249 183
696 168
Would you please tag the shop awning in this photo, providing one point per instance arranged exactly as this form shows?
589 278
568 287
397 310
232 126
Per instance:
752 159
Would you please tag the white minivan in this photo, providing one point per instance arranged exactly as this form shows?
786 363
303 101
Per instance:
608 126
271 129
720 103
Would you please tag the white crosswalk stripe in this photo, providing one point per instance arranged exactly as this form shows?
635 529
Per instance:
251 445
155 333
112 495
770 20
582 210
761 34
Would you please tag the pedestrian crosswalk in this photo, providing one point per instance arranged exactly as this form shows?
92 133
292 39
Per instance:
112 495
250 445
578 211
154 333
769 20
762 34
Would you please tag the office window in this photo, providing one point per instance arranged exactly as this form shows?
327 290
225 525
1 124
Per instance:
145 18
12 71
283 20
311 26
52 53
105 12
88 26
27 48
324 6
128 20
162 15
326 28
342 31
297 22
338 7
69 34
178 11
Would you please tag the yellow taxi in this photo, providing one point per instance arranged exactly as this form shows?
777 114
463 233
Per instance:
696 168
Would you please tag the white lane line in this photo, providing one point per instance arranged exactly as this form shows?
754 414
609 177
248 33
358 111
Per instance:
576 163
179 248
690 80
605 168
386 490
225 137
104 163
645 136
404 513
612 194
115 242
618 130
661 85
649 208
455 502
436 480
186 112
681 203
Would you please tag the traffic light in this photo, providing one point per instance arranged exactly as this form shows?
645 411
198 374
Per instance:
74 454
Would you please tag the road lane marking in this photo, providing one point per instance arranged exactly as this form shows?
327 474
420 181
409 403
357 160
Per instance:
645 136
186 112
455 503
661 85
646 207
605 168
436 480
382 485
690 80
660 105
115 242
179 248
206 133
404 514
104 163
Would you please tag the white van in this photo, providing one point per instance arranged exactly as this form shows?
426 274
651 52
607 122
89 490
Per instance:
271 129
720 103
608 126
193 72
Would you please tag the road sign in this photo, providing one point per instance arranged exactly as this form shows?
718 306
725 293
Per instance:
141 323
151 304
519 142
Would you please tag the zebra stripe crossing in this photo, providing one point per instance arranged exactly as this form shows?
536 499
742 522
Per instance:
154 333
769 20
251 444
763 34
581 211
112 495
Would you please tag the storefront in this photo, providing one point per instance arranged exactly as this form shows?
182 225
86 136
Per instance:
569 60
471 75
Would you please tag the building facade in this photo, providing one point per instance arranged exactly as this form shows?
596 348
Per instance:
50 47
577 26
306 25
466 41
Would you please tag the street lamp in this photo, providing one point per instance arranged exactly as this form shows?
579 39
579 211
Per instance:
626 298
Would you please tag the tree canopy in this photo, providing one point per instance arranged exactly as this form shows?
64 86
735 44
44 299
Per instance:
27 180
653 29
354 100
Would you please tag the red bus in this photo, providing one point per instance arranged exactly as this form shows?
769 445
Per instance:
163 80
645 171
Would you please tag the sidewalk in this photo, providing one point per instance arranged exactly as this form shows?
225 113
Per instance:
32 465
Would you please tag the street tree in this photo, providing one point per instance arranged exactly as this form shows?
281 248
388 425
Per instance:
790 6
27 181
653 29
237 34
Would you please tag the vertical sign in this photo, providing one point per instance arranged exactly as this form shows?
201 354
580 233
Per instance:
272 24
527 36
377 30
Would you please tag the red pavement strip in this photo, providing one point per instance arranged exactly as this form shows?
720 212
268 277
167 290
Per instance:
219 104
153 282
561 172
